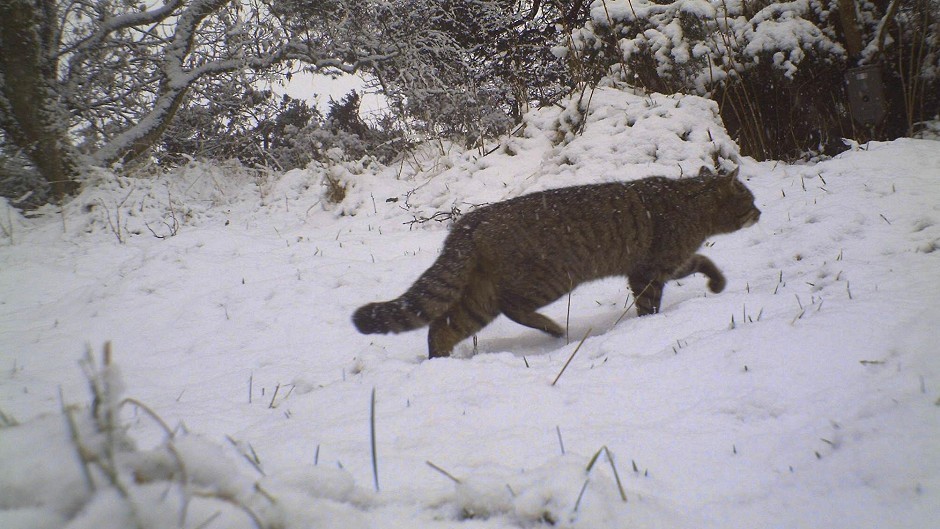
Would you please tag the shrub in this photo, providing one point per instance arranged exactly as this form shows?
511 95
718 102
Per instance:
775 68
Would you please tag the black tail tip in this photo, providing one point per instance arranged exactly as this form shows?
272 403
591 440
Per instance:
366 321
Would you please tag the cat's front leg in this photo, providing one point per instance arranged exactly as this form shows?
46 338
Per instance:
701 264
648 292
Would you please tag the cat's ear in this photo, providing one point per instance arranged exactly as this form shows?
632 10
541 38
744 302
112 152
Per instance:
730 178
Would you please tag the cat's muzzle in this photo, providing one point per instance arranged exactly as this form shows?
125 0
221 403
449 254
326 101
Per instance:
751 218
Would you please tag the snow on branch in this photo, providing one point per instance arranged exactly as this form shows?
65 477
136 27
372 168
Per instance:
128 20
196 48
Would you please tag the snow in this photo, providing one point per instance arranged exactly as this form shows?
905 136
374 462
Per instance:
679 36
804 395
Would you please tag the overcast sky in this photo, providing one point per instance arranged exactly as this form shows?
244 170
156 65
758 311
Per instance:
319 89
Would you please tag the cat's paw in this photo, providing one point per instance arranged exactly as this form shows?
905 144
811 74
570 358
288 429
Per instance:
716 283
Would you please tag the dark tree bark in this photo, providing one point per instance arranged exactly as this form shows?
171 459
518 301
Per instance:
99 83
848 15
29 108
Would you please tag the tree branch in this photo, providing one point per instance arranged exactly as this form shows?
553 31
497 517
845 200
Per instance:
883 25
125 21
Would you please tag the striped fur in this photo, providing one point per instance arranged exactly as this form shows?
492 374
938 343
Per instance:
516 256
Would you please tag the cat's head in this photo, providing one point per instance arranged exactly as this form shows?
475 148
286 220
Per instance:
735 207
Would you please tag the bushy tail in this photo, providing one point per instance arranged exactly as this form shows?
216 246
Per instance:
439 287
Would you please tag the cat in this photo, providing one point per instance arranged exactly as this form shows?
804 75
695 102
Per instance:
516 256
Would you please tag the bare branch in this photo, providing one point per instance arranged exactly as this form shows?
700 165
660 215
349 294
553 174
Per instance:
125 21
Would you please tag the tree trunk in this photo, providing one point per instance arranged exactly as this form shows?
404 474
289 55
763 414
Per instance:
29 111
848 15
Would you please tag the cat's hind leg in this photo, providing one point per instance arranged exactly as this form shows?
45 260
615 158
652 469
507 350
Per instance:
476 309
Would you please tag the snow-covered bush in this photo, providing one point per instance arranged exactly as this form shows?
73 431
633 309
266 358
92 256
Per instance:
776 68
81 469
19 181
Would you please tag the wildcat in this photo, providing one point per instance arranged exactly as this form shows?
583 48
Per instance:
516 256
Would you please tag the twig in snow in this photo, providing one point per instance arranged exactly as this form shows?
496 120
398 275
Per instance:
276 389
613 467
375 462
232 501
79 448
627 308
577 502
252 459
209 520
442 471
7 420
572 356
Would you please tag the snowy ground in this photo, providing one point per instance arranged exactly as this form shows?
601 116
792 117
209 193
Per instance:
807 394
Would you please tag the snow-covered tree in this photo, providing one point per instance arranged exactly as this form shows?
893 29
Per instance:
473 67
99 82
460 68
